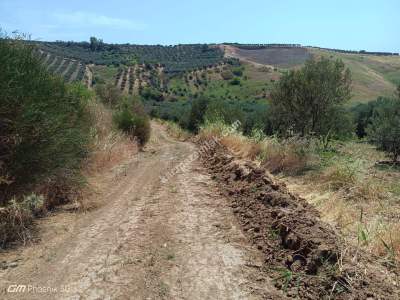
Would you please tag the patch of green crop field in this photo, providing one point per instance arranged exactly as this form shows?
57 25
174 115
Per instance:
104 74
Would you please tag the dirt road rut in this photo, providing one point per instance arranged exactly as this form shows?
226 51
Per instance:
149 240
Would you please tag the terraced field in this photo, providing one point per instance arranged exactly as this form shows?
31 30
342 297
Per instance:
71 70
131 80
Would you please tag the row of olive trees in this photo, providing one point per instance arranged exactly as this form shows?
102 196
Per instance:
310 102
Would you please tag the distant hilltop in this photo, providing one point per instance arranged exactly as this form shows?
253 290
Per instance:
266 46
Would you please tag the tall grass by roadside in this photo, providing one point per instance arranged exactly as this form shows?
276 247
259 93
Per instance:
108 146
291 156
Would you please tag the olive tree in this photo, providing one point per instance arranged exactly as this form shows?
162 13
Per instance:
384 130
309 100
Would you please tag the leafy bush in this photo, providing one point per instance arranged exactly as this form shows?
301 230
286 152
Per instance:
197 112
149 93
384 130
226 111
44 128
132 119
176 111
363 114
109 94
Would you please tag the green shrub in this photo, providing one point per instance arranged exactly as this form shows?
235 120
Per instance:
150 93
109 94
226 111
44 126
133 120
197 112
384 130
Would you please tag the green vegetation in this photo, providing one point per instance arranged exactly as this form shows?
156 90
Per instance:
296 119
309 101
373 76
132 119
177 58
44 129
62 66
384 130
109 94
48 129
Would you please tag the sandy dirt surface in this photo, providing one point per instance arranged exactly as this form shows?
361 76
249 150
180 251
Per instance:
88 77
149 238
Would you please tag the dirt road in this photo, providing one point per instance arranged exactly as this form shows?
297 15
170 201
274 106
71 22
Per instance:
148 240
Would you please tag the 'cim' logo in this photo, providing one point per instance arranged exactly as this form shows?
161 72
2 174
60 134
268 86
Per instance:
14 288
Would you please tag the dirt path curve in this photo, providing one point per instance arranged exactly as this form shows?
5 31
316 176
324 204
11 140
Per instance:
151 240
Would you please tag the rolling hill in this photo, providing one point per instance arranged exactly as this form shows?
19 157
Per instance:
373 75
190 68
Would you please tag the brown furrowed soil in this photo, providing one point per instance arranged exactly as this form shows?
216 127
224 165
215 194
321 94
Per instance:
280 57
306 257
155 234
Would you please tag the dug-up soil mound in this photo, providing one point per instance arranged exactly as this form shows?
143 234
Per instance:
305 257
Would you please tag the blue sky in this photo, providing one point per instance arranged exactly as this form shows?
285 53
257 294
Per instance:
346 24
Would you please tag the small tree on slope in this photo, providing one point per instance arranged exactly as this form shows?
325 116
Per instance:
309 101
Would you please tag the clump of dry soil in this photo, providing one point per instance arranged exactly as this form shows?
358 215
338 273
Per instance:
306 256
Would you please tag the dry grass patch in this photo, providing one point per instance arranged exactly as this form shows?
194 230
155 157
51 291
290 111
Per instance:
291 156
109 147
351 192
